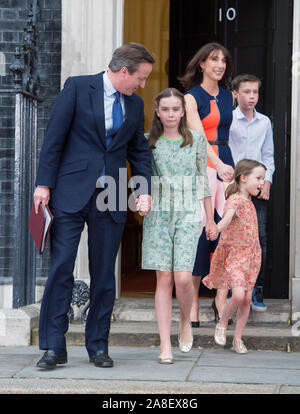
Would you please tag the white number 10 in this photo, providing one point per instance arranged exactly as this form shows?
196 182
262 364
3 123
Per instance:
230 14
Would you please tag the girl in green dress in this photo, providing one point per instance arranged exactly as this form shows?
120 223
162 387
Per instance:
172 228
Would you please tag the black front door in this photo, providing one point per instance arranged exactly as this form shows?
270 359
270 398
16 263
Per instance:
259 36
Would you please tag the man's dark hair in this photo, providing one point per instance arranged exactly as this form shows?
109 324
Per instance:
131 56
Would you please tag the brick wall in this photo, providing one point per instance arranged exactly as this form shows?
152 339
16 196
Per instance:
49 26
13 14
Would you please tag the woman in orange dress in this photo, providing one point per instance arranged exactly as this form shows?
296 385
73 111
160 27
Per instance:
209 105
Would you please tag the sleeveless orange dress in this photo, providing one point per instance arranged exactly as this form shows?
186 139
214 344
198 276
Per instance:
216 117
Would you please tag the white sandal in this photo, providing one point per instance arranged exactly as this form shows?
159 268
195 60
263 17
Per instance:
186 346
165 361
239 347
220 339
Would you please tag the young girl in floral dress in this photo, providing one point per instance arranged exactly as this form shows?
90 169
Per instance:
172 228
237 259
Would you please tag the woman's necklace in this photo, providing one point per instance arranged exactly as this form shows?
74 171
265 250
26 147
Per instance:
214 94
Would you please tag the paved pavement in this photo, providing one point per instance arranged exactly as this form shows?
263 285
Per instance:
202 371
134 340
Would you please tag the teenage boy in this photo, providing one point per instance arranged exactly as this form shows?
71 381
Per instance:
251 137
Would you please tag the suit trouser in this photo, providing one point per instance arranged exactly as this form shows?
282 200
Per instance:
104 237
262 219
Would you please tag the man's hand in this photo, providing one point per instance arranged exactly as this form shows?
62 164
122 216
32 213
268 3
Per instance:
265 192
41 195
225 172
143 204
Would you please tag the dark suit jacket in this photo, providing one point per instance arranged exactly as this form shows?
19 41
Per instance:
74 151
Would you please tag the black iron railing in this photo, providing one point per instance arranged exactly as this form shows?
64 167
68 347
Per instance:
26 88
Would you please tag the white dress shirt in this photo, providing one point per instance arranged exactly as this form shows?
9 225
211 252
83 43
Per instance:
252 140
109 98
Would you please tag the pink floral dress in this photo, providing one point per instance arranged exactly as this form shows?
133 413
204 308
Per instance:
237 259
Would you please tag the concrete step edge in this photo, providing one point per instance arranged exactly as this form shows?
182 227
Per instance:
263 338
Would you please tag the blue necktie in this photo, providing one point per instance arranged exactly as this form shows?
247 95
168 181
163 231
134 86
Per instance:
117 115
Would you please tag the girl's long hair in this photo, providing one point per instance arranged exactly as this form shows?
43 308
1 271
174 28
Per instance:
243 167
156 129
194 76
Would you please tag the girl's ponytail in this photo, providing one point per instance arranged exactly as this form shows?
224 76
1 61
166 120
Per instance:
231 189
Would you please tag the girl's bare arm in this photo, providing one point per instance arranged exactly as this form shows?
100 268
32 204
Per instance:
226 220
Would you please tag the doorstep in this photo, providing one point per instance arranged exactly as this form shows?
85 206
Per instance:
134 324
142 310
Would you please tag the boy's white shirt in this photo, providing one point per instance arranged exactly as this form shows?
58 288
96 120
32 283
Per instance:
252 140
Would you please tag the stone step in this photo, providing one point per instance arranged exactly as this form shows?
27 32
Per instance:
134 324
139 310
279 337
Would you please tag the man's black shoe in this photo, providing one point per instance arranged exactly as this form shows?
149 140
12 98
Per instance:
50 359
102 359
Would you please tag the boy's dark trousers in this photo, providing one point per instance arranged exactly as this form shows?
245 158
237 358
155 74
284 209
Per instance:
262 218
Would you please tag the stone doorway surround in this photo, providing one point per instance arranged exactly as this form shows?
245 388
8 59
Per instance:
91 31
294 294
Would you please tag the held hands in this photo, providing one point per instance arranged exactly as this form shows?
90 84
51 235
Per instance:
143 204
41 195
265 192
212 230
225 172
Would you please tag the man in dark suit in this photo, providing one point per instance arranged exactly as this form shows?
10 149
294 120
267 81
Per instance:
96 123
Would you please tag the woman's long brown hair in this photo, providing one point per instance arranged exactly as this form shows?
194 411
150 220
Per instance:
193 75
157 127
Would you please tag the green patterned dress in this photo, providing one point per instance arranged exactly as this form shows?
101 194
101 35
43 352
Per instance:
172 229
